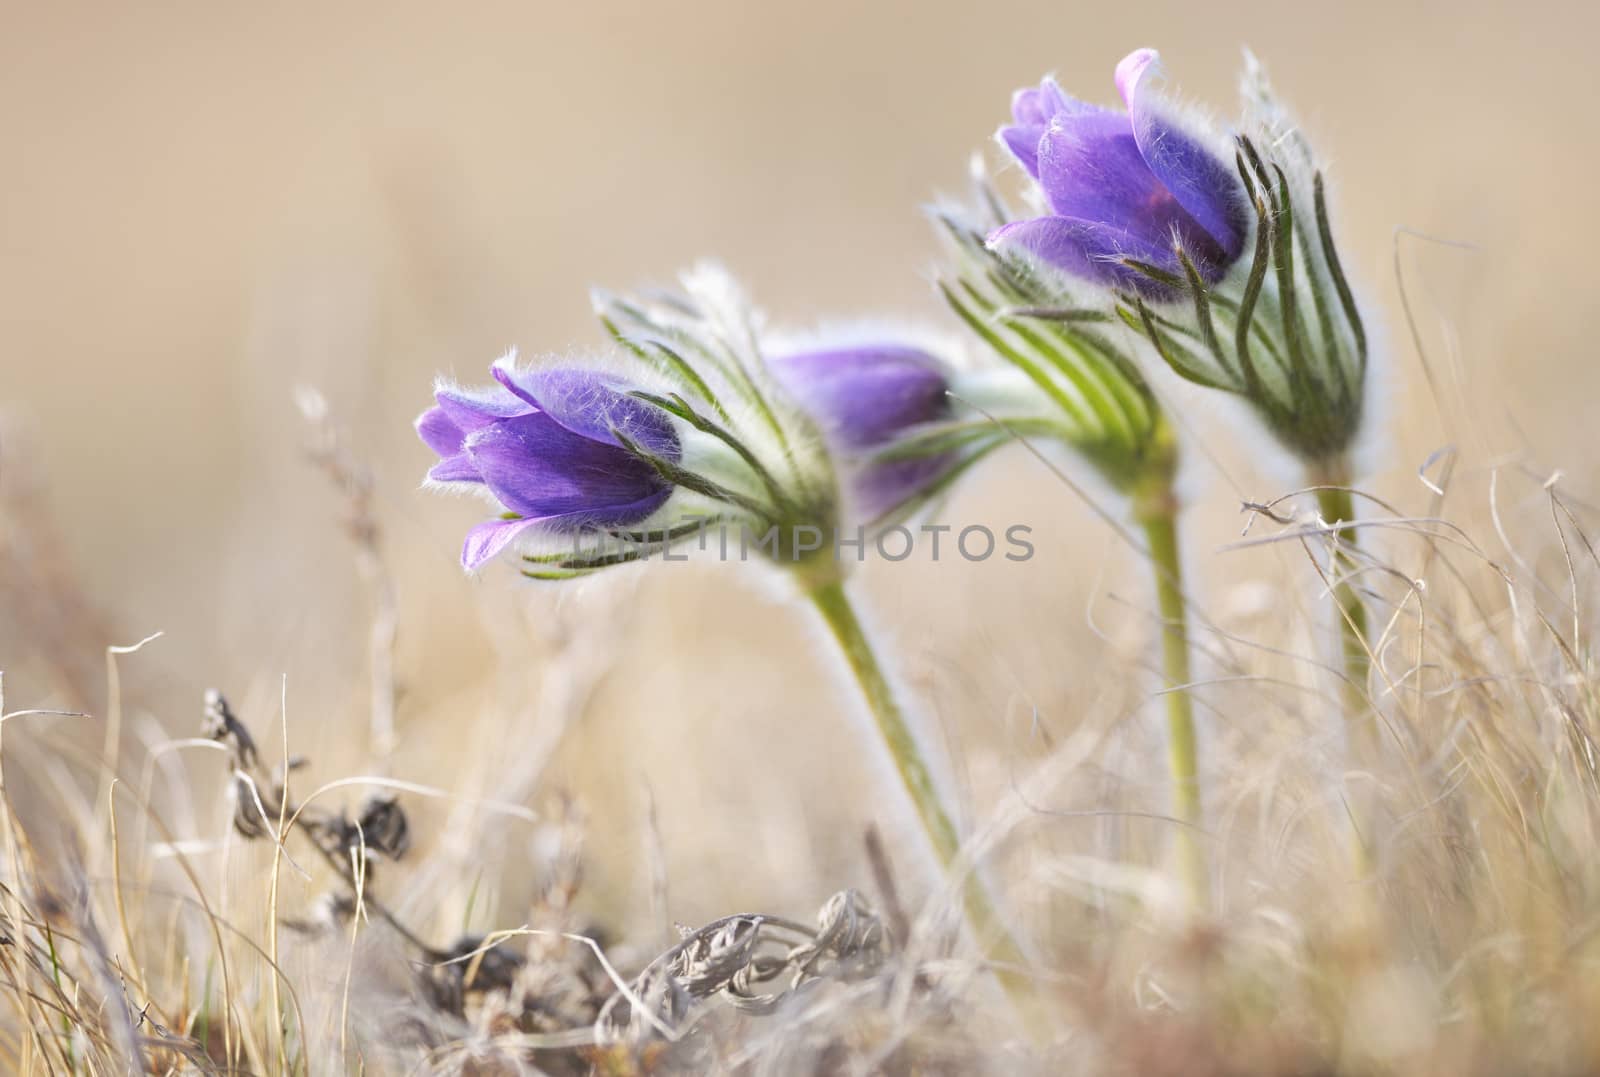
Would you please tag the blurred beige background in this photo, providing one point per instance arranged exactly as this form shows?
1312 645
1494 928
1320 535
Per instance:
204 205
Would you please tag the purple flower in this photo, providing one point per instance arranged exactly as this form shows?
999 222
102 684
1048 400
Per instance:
866 398
545 444
1122 185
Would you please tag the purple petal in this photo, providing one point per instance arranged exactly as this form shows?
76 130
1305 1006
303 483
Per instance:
1022 142
537 467
1036 107
486 540
1086 249
584 403
1090 167
514 381
612 515
1133 67
1036 104
1032 110
890 484
457 468
1198 180
439 432
866 396
474 409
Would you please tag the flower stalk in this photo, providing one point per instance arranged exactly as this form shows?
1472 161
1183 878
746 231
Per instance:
834 605
1157 513
1336 506
831 601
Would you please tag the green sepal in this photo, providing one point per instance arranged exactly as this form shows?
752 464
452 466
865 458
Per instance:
676 405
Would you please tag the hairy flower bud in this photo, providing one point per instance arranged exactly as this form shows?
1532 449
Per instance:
1138 185
549 446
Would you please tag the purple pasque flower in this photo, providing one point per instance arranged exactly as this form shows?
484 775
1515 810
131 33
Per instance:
1120 185
545 444
866 398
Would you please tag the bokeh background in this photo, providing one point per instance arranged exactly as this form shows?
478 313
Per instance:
203 206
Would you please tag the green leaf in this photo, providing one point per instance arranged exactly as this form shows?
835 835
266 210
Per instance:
1155 273
1058 314
1331 255
1183 362
668 534
676 405
689 480
1303 380
1253 285
1202 310
1011 354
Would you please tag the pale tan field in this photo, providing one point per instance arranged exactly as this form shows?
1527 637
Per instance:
204 207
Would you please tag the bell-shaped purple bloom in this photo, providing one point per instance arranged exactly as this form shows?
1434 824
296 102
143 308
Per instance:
545 445
866 398
1122 185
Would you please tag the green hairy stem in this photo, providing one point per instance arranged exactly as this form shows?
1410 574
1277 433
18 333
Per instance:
1158 515
1336 504
834 605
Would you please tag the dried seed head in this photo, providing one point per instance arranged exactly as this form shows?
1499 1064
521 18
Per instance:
220 724
852 940
251 810
753 962
446 980
384 827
